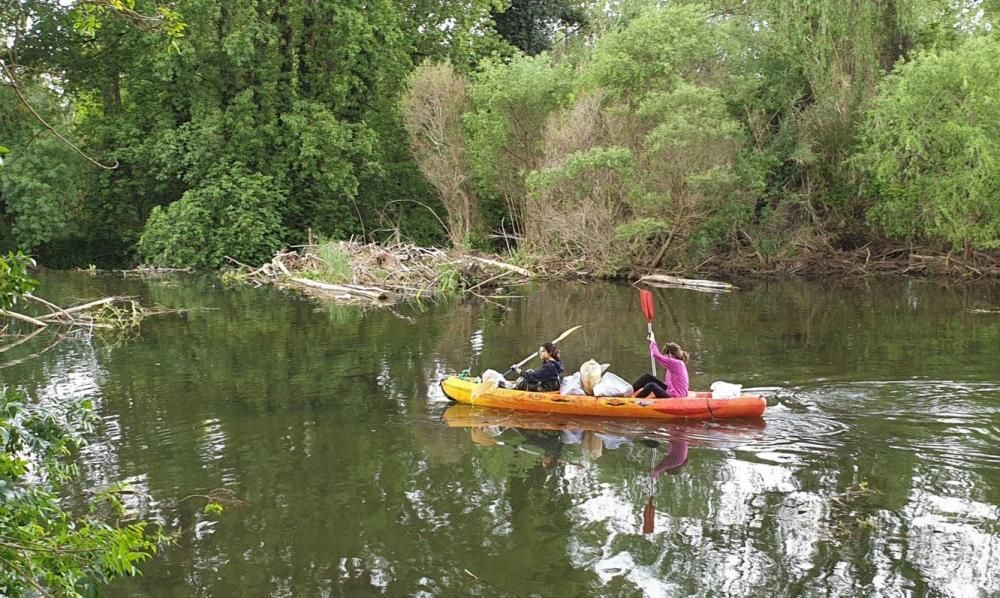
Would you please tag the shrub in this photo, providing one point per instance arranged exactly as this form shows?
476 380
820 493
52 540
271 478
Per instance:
930 147
234 213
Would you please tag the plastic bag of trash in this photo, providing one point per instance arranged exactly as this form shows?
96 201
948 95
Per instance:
571 385
493 375
725 390
612 385
590 375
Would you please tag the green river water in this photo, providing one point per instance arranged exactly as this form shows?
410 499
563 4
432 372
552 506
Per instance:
875 471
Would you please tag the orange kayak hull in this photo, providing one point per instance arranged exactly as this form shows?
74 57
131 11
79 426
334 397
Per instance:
697 405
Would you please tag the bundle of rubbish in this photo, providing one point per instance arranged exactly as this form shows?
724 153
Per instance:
593 379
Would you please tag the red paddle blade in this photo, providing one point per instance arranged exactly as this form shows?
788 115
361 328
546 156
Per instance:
646 301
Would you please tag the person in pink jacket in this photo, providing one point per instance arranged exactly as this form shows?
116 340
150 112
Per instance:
675 378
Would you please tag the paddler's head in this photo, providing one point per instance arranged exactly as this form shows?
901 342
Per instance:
674 350
548 352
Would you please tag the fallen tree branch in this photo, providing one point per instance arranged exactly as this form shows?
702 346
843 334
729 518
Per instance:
373 294
16 316
501 265
687 282
52 306
85 306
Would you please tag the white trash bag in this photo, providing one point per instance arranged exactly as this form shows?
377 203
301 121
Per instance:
493 375
571 385
725 390
612 385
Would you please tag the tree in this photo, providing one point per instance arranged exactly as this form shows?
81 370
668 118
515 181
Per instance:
510 103
432 110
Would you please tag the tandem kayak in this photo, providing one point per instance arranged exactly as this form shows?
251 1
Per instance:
697 405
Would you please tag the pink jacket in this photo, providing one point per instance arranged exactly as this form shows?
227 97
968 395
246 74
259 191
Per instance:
676 375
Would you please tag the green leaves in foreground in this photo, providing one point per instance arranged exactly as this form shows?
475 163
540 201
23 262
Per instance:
14 279
43 548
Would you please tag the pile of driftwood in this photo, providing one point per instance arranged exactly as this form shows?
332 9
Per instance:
384 274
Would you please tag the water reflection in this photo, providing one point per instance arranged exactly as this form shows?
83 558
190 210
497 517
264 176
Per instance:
549 436
876 472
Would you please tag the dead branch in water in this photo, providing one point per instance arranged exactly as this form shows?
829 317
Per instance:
112 313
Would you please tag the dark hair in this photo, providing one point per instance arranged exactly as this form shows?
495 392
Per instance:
551 349
674 350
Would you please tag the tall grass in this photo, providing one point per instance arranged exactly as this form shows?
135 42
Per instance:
336 268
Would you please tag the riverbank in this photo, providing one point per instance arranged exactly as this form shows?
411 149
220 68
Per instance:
384 274
876 258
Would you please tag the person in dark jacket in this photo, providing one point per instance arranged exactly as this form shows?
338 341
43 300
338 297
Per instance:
546 378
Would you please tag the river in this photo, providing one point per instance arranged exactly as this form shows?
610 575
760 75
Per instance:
875 471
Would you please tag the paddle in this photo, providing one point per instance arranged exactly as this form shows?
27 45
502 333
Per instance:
490 385
646 302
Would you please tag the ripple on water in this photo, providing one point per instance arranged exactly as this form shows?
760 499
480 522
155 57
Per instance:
947 422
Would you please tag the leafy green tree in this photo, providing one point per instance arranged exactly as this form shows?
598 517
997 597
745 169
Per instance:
807 71
931 145
510 103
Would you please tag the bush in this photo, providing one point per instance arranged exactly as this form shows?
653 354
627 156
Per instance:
14 279
235 213
931 147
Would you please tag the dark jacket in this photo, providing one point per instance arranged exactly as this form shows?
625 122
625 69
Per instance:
546 378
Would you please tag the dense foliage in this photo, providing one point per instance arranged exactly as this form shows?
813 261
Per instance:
156 130
931 147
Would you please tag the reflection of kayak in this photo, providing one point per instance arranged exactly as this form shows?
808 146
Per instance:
468 416
699 405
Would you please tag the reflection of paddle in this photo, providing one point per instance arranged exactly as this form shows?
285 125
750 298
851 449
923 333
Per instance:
648 517
488 386
675 458
646 302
